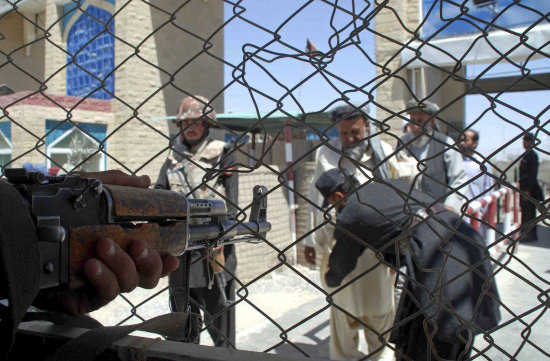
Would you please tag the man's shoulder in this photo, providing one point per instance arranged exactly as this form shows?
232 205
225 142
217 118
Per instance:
532 155
216 143
387 147
406 137
475 159
333 142
350 214
176 153
443 137
325 152
213 148
478 157
357 207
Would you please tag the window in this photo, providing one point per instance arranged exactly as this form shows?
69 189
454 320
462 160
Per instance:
67 146
5 143
90 63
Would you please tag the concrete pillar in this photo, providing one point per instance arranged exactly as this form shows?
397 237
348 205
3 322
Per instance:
453 101
446 88
397 85
392 92
55 58
138 99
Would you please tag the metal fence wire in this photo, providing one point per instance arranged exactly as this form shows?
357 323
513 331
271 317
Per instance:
95 84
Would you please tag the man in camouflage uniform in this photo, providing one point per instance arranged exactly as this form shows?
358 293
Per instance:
202 167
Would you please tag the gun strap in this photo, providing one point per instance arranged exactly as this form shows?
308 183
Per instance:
91 344
178 282
19 262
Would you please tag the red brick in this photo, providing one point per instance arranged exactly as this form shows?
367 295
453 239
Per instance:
66 101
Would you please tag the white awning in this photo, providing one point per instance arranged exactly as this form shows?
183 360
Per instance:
479 49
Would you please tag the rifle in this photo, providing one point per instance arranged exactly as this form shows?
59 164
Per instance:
71 213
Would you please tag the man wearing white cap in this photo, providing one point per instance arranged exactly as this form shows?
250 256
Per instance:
362 153
194 168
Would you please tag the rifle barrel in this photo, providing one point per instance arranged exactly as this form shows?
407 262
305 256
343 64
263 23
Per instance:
200 234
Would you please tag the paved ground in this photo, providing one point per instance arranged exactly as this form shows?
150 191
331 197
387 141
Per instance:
524 285
524 288
523 280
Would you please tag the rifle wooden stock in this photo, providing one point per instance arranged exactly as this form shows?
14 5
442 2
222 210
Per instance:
166 239
127 204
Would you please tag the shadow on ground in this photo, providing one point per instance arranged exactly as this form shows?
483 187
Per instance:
318 348
543 235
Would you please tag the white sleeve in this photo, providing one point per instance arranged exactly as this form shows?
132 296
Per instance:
315 216
313 197
456 177
488 181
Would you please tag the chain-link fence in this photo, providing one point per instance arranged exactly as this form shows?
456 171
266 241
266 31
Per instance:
449 98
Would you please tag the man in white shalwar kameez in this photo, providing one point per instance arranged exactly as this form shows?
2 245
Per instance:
370 298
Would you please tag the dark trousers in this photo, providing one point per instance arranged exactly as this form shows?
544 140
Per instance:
411 341
528 212
433 350
218 318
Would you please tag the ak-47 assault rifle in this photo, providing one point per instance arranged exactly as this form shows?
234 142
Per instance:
71 213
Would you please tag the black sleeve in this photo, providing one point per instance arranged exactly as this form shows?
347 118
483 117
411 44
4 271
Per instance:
162 180
231 182
533 168
344 255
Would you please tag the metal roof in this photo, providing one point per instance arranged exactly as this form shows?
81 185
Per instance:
269 122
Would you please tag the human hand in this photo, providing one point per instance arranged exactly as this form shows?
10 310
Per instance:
115 271
309 253
449 208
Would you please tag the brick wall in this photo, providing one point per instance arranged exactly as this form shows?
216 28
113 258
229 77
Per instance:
255 259
304 180
28 116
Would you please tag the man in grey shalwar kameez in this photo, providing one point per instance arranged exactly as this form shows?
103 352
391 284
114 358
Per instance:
441 167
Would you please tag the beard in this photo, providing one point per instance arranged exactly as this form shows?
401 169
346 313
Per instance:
356 151
423 139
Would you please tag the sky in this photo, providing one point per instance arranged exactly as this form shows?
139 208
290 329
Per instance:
274 69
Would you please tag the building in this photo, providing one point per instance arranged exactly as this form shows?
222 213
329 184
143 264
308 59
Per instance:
427 46
86 80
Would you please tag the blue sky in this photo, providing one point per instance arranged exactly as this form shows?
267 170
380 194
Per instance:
311 22
350 66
